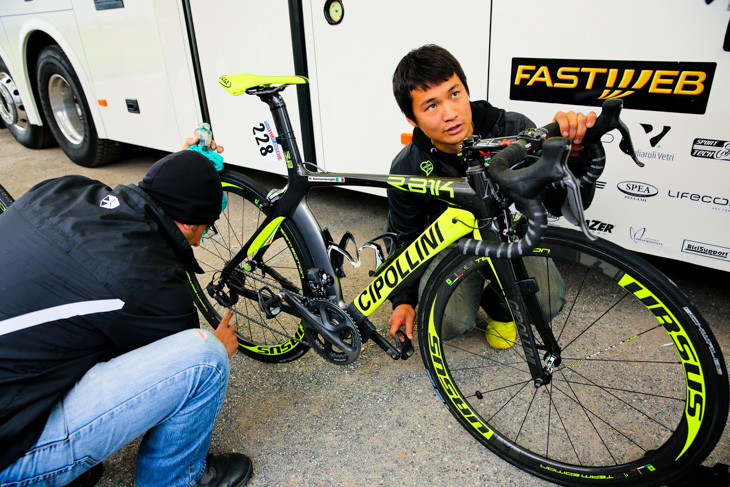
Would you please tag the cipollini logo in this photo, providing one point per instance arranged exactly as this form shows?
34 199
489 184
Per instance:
109 202
681 87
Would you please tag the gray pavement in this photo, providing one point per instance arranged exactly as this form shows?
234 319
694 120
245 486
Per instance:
374 422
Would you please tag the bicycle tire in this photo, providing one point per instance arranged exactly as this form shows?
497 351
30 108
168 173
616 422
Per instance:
5 199
267 340
641 394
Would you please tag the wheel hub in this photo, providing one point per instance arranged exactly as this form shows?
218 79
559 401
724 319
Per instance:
12 110
66 109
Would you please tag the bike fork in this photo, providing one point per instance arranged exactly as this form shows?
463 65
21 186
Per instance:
521 292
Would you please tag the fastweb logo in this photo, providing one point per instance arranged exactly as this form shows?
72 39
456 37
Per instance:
682 87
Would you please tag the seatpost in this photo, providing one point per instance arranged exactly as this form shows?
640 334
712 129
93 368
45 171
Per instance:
286 137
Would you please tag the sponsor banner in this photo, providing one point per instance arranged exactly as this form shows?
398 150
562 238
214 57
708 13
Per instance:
706 250
681 87
711 149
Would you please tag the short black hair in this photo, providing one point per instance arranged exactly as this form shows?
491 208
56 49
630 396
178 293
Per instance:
421 69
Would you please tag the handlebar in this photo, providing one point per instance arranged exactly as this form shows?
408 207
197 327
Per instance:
524 185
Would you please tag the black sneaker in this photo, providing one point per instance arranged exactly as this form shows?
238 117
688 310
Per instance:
88 478
228 470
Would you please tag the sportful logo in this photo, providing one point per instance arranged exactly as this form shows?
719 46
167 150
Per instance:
109 202
682 87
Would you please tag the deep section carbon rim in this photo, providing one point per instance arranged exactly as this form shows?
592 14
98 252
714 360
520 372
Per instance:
279 265
641 392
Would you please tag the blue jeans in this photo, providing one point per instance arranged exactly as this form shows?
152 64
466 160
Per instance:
172 390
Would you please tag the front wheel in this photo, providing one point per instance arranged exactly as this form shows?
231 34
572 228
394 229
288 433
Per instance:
67 112
639 396
280 264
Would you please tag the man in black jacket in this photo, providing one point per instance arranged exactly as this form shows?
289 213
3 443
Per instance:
431 90
99 338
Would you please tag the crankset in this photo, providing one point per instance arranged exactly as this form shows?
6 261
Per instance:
341 344
329 330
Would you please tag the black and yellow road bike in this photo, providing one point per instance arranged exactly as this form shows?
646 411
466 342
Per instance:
624 385
5 199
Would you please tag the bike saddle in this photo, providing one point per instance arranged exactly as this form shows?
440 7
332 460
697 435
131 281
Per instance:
237 84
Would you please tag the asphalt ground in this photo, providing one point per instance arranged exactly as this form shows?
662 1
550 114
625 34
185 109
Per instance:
374 422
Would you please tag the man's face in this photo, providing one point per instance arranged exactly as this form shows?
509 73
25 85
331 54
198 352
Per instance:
444 114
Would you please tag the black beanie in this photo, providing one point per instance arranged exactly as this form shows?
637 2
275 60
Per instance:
186 185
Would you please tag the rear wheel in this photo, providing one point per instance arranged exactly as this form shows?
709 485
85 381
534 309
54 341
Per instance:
639 396
281 264
67 112
5 199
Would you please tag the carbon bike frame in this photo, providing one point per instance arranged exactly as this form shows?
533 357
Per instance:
463 216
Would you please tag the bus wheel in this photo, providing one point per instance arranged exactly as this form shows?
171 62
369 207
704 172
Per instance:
13 116
69 118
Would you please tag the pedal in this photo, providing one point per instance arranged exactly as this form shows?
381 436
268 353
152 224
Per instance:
269 303
405 347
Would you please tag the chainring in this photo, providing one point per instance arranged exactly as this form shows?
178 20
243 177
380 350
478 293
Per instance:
337 321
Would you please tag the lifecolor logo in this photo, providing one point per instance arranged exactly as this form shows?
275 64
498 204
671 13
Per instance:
682 87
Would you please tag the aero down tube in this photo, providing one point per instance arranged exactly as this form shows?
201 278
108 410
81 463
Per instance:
449 227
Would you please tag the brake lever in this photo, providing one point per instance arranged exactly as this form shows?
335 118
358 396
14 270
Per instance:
572 208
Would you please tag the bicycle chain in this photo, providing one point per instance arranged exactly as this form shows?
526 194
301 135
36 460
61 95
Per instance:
301 297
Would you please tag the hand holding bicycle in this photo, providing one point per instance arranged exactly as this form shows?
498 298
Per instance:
573 126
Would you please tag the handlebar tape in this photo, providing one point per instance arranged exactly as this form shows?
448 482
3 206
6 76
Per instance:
522 186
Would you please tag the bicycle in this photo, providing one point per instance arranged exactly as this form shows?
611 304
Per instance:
624 384
5 199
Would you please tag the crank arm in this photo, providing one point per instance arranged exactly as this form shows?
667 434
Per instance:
310 319
400 351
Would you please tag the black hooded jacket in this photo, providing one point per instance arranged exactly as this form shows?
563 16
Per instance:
86 273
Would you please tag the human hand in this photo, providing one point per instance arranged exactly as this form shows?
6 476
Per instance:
573 126
403 314
195 139
225 334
